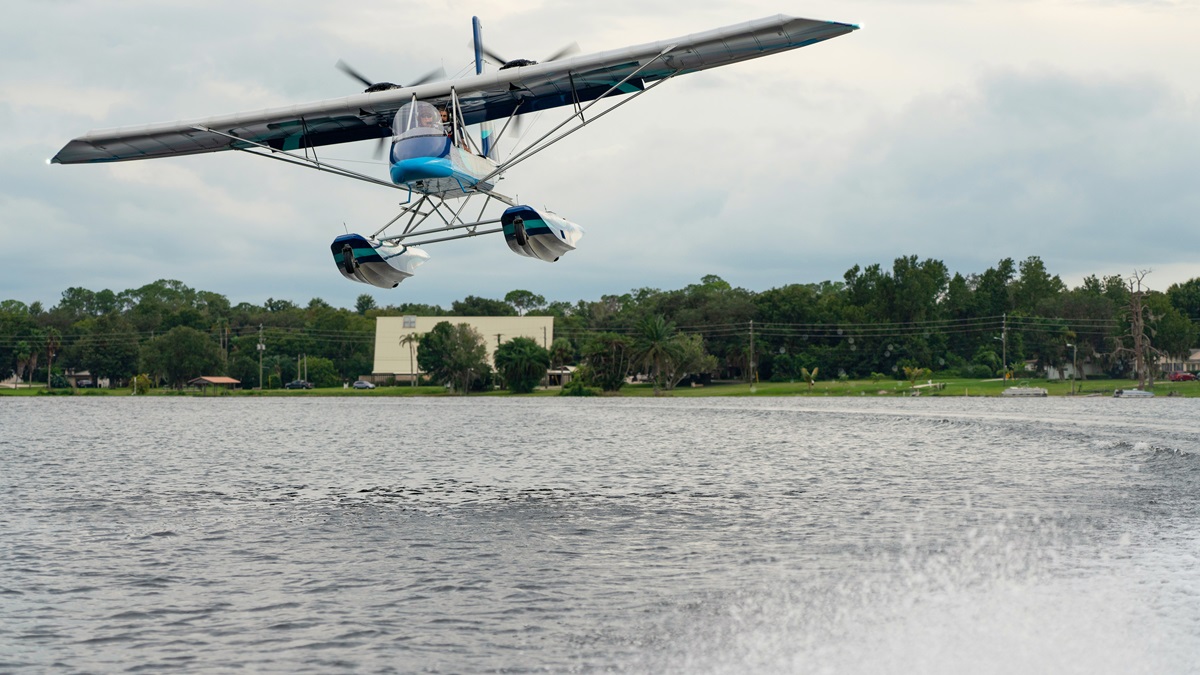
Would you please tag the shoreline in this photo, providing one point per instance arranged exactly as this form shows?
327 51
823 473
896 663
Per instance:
856 388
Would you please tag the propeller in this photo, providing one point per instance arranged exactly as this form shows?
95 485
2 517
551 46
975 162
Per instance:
435 74
438 73
567 50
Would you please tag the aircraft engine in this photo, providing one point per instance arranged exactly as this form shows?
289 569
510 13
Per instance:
544 236
378 264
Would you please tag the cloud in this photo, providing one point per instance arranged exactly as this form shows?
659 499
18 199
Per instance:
966 132
1022 162
42 98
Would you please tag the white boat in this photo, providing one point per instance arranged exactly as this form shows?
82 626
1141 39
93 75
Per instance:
1132 393
1025 391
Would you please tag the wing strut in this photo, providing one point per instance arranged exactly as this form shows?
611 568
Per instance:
315 160
538 145
291 158
460 130
511 116
578 105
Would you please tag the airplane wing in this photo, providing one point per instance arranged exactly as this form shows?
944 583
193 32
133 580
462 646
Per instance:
481 97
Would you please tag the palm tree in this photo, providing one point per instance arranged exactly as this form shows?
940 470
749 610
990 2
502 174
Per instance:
523 363
607 358
24 354
810 377
412 339
560 351
655 346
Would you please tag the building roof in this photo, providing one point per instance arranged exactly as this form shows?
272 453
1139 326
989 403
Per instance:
214 379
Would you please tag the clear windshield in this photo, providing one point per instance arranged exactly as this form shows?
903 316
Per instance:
419 132
418 119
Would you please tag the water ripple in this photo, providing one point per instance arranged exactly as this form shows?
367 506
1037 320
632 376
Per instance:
622 535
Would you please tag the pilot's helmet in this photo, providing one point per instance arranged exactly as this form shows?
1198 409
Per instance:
427 117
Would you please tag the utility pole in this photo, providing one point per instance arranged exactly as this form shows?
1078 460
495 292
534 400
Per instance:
1004 343
261 348
1074 364
752 364
51 345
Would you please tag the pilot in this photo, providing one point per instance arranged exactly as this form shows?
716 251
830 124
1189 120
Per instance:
426 118
449 126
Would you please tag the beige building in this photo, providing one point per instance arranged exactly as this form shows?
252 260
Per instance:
394 358
1180 363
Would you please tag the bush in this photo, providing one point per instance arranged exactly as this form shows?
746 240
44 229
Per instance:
976 371
141 385
485 380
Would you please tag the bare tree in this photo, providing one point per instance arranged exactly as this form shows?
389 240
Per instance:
1142 350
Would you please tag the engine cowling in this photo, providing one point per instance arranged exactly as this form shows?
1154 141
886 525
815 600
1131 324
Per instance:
377 264
542 235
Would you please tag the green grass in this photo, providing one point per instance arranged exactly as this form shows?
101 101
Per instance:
953 387
5 391
882 388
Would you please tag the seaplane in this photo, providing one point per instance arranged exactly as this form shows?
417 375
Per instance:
444 136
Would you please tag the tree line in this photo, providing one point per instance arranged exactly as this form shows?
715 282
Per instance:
874 322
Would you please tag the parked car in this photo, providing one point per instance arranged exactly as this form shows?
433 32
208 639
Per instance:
1182 377
362 384
298 384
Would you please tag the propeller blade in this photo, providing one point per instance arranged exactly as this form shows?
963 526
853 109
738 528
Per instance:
379 147
345 68
567 50
438 73
496 58
435 74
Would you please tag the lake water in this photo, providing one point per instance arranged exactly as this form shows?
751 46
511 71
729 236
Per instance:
445 535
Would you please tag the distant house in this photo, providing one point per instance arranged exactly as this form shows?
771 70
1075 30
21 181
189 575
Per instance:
214 381
560 377
82 378
1086 369
1180 363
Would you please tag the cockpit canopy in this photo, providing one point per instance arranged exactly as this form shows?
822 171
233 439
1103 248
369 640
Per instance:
418 119
419 132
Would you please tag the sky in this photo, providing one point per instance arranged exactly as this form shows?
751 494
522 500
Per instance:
967 131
